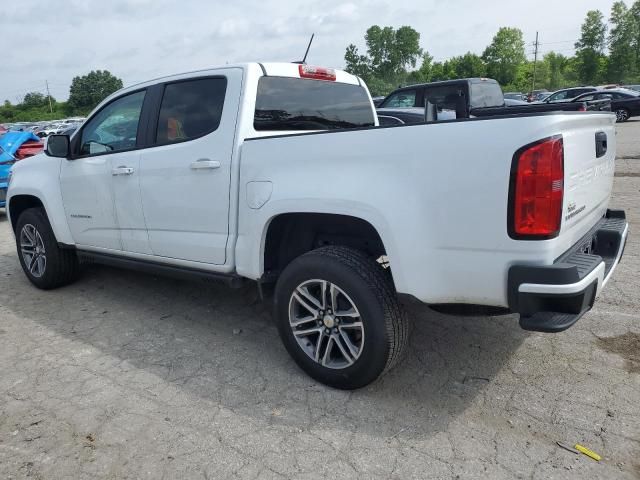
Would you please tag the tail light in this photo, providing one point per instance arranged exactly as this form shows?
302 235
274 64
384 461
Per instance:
317 73
582 108
536 190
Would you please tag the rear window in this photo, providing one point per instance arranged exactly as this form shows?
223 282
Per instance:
299 104
486 94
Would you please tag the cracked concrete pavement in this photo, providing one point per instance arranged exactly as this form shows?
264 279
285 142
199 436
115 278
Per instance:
124 375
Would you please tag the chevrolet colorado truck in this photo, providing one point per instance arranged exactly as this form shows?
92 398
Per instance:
279 174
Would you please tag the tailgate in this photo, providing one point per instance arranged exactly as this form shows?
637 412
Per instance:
589 165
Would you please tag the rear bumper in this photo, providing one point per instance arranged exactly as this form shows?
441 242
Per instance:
552 298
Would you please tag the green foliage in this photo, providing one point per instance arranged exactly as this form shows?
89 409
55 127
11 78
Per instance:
392 56
590 47
389 53
634 26
622 60
88 91
505 55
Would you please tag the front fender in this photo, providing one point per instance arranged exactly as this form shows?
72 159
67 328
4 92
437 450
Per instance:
39 177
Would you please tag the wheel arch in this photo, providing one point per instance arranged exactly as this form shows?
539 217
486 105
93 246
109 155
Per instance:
288 235
19 203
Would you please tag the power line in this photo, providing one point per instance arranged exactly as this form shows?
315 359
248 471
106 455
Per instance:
535 64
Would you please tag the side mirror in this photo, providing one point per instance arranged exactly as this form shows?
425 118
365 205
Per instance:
58 146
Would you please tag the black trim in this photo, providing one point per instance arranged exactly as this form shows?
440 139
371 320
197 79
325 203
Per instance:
264 71
151 111
156 268
409 125
512 192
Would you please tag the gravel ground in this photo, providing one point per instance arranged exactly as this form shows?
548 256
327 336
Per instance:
123 375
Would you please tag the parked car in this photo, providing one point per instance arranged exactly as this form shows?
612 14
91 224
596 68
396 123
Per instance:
535 95
285 179
567 94
402 116
461 98
51 129
377 100
14 146
515 96
625 103
512 102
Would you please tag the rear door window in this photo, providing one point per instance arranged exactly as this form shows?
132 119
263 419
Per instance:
284 103
190 109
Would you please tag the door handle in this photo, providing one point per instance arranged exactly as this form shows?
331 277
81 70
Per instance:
205 163
122 170
601 144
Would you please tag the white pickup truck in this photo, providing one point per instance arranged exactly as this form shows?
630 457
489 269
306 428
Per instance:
279 173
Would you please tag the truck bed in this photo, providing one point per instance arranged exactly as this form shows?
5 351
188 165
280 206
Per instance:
436 193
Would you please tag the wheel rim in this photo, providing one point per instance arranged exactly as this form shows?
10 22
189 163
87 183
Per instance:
326 324
622 115
33 251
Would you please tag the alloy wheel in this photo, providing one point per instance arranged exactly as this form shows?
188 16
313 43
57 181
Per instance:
326 324
33 251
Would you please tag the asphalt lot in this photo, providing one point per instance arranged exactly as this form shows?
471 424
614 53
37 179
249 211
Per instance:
124 375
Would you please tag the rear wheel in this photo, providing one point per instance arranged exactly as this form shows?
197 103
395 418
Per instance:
622 115
44 263
339 318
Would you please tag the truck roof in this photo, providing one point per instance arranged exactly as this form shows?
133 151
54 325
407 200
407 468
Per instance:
276 69
444 83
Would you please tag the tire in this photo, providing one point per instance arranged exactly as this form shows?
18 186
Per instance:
622 115
374 324
59 267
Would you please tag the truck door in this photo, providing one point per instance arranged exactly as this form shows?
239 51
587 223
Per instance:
186 174
105 152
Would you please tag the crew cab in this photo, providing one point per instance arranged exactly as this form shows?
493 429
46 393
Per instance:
279 174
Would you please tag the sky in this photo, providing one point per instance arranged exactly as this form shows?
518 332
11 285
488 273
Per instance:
138 40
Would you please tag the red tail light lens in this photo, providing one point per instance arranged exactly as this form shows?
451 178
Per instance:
537 189
317 73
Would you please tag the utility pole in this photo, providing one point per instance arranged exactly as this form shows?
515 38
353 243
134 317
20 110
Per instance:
49 96
535 62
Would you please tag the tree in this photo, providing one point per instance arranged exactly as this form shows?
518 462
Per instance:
590 47
34 100
557 67
469 65
88 91
389 53
634 26
504 55
622 58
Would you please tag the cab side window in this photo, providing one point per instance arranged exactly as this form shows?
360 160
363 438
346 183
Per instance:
190 109
404 99
114 128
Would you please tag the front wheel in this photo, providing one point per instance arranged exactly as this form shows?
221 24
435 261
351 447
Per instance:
339 317
45 264
622 115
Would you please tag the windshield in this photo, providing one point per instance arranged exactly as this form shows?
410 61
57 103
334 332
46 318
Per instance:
284 103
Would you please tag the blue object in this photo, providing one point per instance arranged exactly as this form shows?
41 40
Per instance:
10 142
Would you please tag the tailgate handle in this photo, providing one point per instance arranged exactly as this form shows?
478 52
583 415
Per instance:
601 144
